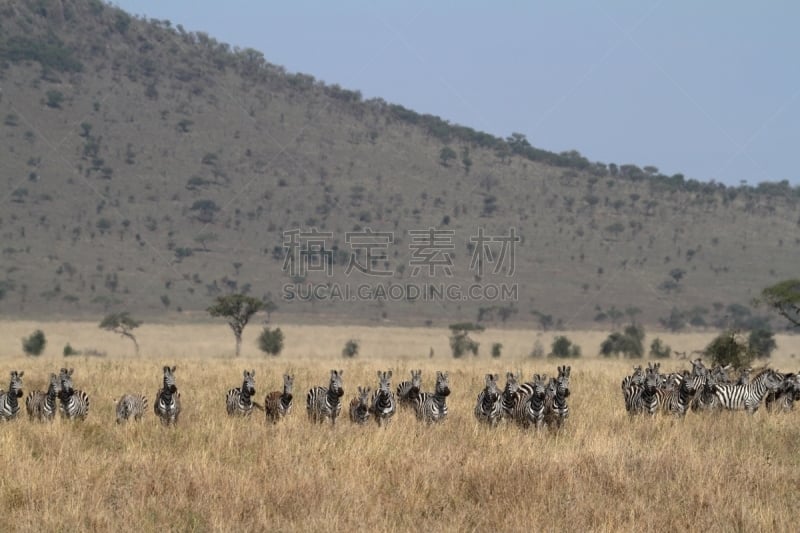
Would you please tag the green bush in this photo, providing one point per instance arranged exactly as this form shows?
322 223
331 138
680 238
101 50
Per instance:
350 348
761 342
271 341
34 345
563 347
628 343
70 351
497 349
659 350
730 348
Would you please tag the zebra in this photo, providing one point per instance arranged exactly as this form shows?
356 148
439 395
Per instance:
323 403
489 406
783 398
705 399
677 400
556 408
383 405
530 409
748 397
131 406
407 390
632 383
239 400
276 404
744 376
359 406
43 405
432 406
167 405
9 401
643 398
698 368
74 402
510 395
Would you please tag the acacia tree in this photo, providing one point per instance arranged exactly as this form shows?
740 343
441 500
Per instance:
237 309
784 298
123 324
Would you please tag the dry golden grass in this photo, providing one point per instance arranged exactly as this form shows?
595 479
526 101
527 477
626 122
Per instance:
603 472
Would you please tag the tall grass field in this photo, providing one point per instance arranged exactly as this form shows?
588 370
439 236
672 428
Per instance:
602 472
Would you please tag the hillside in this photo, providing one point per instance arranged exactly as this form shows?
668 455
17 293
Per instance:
150 169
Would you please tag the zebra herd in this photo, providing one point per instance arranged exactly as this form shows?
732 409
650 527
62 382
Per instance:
73 404
539 403
648 391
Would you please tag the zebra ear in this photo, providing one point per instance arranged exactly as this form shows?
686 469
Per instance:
389 374
174 368
21 373
380 374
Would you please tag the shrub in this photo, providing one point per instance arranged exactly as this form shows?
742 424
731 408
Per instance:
761 342
350 348
497 349
628 343
538 349
460 342
70 351
730 348
659 350
34 345
563 347
271 341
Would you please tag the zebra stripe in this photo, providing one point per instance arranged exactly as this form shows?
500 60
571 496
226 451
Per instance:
556 410
9 401
43 405
631 383
131 406
489 405
239 401
167 405
323 403
782 400
677 401
74 402
432 406
359 407
407 390
276 404
530 409
383 405
748 397
643 398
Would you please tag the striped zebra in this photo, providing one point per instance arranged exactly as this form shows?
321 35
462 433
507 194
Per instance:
489 405
74 402
632 383
359 406
383 405
323 403
510 395
276 404
556 409
782 400
239 400
748 397
530 409
407 390
43 405
9 401
131 406
643 398
678 399
744 376
167 405
698 368
705 399
432 406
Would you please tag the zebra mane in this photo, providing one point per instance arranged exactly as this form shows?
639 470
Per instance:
758 373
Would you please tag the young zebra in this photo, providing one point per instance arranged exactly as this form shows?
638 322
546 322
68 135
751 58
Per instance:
167 405
239 400
432 406
276 404
510 395
748 397
74 402
43 405
323 403
131 406
383 405
407 390
530 410
489 405
359 407
9 401
782 400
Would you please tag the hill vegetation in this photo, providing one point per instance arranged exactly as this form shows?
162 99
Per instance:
150 169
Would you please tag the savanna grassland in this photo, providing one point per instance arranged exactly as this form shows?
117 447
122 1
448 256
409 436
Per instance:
602 472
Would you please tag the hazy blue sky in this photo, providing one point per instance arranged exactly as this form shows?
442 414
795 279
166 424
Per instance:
708 89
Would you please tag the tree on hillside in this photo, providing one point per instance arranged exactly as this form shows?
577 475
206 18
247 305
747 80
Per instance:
784 298
445 155
123 324
237 309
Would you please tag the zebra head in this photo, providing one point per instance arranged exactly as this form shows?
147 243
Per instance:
491 386
363 396
249 383
416 380
385 383
710 384
698 368
688 382
540 385
65 377
651 380
288 383
774 380
15 387
442 384
335 386
637 378
55 384
169 379
512 384
563 380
